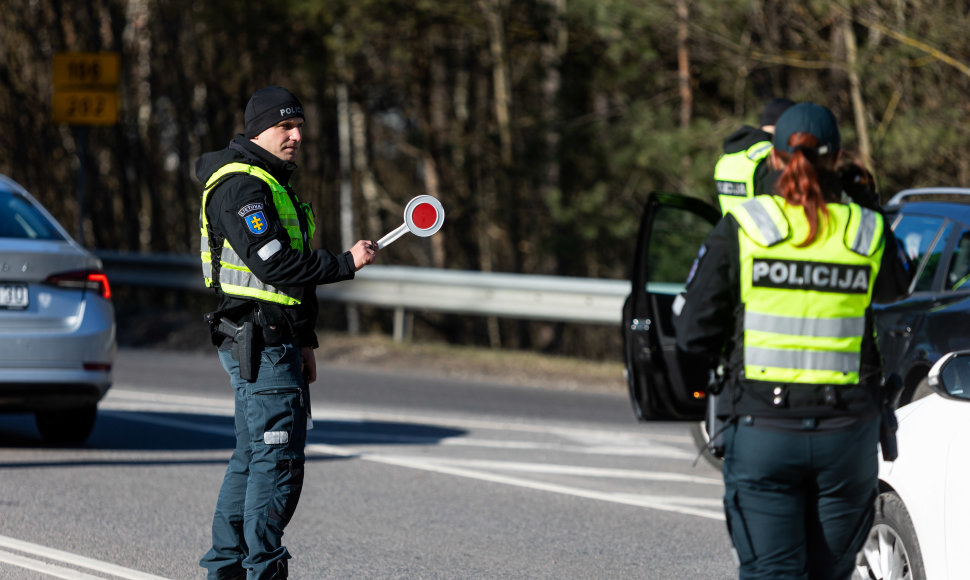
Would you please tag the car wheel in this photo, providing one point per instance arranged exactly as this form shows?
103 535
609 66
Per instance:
914 393
66 426
922 389
699 433
891 549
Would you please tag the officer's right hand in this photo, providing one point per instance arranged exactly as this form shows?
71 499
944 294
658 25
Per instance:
364 253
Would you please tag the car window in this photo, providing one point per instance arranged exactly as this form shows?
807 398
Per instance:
923 238
958 275
677 236
20 219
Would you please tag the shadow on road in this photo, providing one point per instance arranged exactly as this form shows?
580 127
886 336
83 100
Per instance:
126 431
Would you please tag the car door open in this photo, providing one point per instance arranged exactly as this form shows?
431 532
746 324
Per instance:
672 229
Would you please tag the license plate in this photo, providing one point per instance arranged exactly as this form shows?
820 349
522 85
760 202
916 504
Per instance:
14 296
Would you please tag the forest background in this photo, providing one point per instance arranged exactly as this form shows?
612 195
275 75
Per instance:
541 125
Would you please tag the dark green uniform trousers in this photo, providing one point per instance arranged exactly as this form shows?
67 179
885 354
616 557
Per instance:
799 503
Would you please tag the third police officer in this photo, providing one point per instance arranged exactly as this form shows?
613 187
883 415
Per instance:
744 170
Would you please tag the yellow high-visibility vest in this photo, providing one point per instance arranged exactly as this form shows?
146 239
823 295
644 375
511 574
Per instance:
734 175
805 307
235 278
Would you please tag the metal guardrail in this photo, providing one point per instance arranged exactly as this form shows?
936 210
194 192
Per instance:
409 288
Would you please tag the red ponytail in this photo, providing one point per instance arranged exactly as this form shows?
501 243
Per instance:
799 183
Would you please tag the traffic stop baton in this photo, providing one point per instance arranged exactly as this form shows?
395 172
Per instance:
423 216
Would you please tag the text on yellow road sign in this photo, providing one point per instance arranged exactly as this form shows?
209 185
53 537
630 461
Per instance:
85 69
85 107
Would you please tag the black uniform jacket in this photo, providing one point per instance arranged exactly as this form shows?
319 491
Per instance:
710 329
286 267
743 138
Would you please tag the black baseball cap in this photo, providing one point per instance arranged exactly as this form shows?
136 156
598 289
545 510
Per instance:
267 107
808 118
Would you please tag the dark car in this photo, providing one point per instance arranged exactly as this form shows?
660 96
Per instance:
931 224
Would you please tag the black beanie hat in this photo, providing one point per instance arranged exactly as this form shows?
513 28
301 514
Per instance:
773 110
267 107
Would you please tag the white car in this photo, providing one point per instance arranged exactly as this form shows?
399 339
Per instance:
57 322
922 524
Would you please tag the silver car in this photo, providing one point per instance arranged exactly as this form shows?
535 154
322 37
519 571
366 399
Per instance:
57 322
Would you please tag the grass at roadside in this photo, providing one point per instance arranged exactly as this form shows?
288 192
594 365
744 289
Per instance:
471 363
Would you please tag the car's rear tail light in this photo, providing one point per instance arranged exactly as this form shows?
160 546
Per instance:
97 366
94 280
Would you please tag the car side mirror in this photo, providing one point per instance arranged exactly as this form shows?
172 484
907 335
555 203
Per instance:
950 376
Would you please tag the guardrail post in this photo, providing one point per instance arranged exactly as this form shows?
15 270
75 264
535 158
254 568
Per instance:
402 324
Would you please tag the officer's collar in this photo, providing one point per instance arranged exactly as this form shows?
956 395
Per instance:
276 166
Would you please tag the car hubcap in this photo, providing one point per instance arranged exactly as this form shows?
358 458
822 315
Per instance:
883 557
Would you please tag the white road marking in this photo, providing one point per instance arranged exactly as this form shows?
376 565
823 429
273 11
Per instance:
579 470
664 503
636 446
44 567
652 450
66 558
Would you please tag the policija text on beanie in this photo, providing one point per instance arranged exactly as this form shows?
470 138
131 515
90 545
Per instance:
269 106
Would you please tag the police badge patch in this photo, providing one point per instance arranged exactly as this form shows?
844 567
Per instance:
254 217
697 261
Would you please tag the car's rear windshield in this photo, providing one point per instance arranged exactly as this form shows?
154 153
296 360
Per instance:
20 219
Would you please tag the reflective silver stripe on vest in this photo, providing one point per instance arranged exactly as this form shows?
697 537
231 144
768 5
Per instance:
233 277
762 219
809 360
234 272
820 327
867 229
206 264
758 153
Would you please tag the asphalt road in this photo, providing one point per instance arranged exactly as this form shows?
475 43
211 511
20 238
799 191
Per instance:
408 476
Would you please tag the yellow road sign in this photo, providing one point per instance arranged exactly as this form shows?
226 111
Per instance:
86 69
85 107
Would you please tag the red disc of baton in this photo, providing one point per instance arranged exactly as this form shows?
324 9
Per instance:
424 215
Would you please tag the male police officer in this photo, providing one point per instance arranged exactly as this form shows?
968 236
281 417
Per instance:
744 170
256 254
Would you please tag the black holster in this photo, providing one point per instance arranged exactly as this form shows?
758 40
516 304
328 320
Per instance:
887 418
245 349
712 422
887 433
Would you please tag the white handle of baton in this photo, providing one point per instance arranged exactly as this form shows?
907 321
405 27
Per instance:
386 240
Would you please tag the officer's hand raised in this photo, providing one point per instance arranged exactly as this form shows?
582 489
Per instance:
364 253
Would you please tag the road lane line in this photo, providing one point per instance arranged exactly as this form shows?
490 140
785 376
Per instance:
44 567
578 470
664 503
652 450
75 560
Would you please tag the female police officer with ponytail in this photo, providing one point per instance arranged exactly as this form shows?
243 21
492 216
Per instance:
781 293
